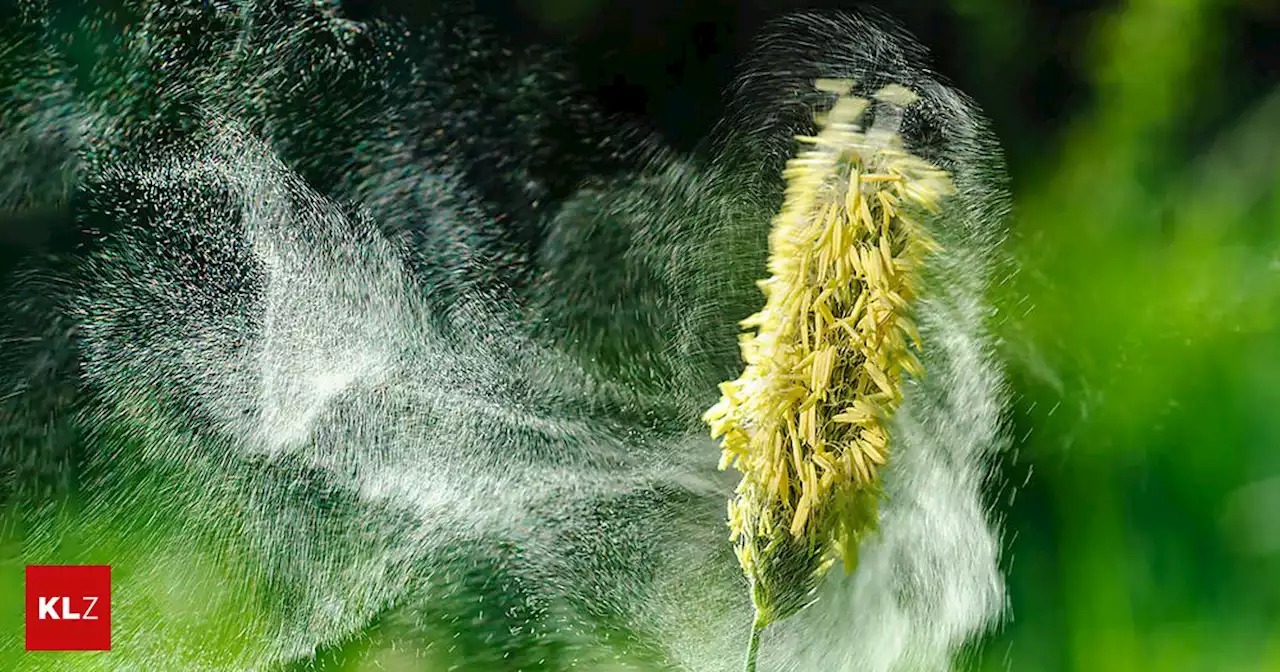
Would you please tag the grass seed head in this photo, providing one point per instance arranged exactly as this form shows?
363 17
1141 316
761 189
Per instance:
807 421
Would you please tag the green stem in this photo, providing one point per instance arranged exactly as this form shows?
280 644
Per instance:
753 647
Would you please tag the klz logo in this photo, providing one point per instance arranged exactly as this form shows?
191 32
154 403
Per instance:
47 610
68 607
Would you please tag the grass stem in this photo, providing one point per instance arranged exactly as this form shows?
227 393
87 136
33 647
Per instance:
753 647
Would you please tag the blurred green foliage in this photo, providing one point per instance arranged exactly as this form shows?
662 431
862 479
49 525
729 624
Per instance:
1145 357
1141 499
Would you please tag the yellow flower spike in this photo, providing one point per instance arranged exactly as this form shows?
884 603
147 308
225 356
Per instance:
807 421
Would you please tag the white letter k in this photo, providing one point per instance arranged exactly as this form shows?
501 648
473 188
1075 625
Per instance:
46 608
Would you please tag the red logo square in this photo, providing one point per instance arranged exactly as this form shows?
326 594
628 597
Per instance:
68 608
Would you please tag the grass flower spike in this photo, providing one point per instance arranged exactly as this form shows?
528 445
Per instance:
807 422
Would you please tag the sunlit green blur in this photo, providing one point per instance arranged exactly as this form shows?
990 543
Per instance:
1143 344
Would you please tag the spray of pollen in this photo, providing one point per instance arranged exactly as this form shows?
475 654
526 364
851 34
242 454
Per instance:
807 421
